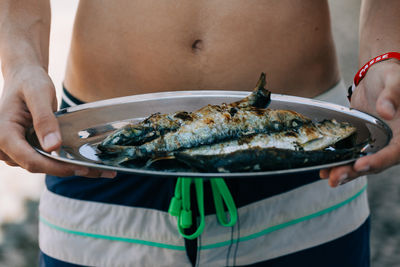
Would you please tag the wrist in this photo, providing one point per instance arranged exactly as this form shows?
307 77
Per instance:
364 69
17 55
26 76
13 68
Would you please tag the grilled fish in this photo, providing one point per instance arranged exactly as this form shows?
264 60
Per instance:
215 125
286 149
306 138
158 124
240 136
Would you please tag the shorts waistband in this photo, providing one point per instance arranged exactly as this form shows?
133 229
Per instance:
69 99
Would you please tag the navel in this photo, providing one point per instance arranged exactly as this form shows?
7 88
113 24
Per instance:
197 45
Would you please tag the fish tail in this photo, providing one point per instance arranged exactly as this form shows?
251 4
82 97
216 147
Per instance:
259 98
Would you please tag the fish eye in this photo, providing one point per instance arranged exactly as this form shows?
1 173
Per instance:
296 123
233 111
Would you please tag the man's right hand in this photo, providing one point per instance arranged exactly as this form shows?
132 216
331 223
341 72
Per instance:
29 99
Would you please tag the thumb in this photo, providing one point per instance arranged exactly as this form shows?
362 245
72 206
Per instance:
388 101
42 103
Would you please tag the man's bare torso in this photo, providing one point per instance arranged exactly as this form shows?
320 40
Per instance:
125 47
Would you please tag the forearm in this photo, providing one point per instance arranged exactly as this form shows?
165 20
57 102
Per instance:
379 28
24 33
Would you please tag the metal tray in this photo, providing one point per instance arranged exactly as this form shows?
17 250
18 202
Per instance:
84 126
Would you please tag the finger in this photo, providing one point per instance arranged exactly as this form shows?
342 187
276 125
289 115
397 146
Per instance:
341 175
11 163
36 163
108 174
25 156
20 153
324 173
4 157
389 100
381 160
7 159
97 173
45 123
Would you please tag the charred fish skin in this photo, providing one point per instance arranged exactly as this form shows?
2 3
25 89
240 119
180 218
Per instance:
158 124
215 126
266 159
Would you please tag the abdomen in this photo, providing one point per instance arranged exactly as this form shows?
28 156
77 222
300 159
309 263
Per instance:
130 47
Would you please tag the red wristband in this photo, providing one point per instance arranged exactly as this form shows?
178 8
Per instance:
361 73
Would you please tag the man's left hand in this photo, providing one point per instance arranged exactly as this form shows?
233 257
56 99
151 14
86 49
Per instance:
377 94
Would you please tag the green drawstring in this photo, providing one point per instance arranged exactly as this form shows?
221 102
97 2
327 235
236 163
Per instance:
180 205
221 193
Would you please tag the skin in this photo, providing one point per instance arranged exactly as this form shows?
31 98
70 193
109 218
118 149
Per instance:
379 92
126 47
135 53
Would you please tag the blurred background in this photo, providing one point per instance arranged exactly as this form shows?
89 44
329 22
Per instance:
20 190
